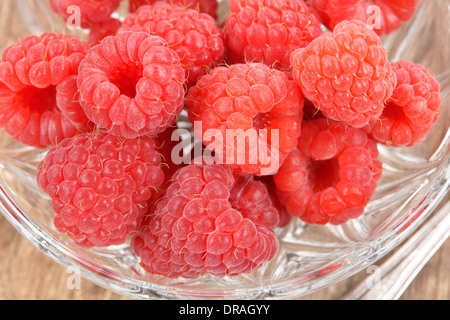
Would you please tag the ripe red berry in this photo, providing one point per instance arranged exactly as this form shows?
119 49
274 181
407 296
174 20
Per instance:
346 74
285 217
205 6
132 84
100 186
92 12
269 31
101 30
39 104
386 16
250 116
332 174
209 222
194 36
412 110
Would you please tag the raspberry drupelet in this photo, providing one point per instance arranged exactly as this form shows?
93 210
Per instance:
332 174
209 222
386 15
285 217
250 116
100 186
92 12
346 74
268 31
205 6
412 110
132 84
194 36
38 93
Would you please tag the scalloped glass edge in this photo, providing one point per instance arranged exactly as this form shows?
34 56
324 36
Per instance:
432 179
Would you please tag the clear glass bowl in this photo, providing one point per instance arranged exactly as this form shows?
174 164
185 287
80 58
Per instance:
414 182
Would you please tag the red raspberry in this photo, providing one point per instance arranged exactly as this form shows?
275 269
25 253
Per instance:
412 110
205 6
100 186
393 12
209 222
132 84
240 107
331 176
346 74
192 35
101 30
38 94
285 217
91 12
269 31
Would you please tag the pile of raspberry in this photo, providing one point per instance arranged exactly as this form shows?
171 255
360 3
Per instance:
287 103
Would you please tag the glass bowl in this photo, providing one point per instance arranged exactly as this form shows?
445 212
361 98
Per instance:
414 182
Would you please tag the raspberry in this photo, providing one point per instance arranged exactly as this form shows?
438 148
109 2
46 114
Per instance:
101 30
393 12
285 217
412 110
100 186
192 35
91 12
346 74
332 174
132 84
205 6
208 222
269 31
38 94
242 108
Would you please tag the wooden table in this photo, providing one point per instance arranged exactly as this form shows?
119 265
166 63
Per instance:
28 274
